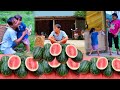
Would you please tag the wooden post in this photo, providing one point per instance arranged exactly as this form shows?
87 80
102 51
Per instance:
104 28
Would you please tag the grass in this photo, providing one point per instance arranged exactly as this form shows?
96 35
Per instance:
27 18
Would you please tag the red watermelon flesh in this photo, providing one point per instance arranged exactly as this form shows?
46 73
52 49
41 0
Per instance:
73 65
102 63
54 63
116 64
55 49
14 62
71 51
31 64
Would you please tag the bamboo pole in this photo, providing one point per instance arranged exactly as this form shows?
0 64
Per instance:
104 28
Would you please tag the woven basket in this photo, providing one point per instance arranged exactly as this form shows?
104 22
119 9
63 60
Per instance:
39 41
2 31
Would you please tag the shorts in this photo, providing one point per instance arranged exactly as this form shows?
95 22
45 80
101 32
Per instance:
95 47
26 41
8 51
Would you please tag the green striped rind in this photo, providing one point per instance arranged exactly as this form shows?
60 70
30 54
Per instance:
93 69
40 70
62 70
62 58
109 70
46 67
22 71
47 56
84 67
38 53
47 46
110 59
5 70
79 57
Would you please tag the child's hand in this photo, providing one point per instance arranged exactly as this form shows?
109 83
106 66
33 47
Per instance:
24 33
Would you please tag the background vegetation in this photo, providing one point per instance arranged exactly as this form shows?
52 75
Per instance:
28 19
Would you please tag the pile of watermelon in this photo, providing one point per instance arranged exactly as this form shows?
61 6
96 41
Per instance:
58 58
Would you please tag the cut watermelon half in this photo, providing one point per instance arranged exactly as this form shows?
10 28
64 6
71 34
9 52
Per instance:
72 65
55 49
31 64
102 63
14 62
71 51
54 63
116 64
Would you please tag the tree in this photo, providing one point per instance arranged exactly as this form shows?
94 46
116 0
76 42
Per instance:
80 14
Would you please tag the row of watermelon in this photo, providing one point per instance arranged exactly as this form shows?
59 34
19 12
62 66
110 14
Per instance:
21 66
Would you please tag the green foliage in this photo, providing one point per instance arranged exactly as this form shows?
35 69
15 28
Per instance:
27 16
80 14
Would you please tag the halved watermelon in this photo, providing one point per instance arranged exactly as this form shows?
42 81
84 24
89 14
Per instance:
55 49
72 65
14 62
71 51
116 64
102 63
31 64
54 63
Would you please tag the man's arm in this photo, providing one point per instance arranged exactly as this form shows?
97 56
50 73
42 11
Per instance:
64 40
23 34
51 37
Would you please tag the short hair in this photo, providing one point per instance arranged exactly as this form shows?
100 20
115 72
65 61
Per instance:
115 14
10 21
18 17
58 25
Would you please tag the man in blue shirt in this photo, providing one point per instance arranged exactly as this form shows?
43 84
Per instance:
57 35
10 37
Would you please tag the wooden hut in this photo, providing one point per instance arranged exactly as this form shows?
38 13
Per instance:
45 20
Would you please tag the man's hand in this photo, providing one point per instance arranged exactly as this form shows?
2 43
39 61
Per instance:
116 35
59 42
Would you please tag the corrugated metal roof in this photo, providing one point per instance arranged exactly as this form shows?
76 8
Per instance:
53 13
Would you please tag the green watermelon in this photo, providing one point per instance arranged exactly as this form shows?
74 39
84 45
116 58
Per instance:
38 53
5 70
47 56
40 70
22 71
62 70
93 68
84 67
46 67
109 70
47 46
62 58
79 57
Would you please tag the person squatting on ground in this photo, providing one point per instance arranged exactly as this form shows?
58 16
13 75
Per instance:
57 35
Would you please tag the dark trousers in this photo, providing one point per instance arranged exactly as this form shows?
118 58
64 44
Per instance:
116 40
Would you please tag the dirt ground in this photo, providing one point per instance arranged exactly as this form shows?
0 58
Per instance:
114 54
